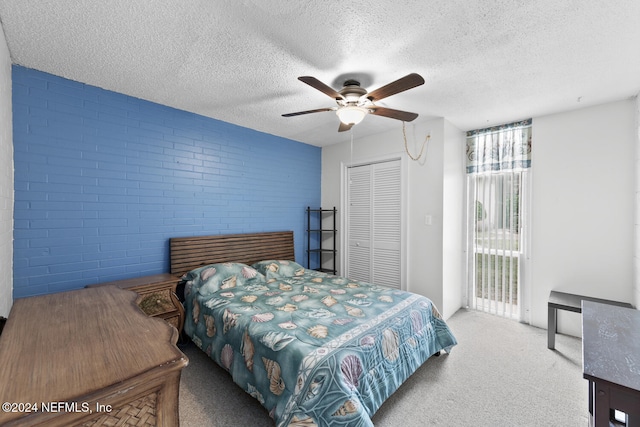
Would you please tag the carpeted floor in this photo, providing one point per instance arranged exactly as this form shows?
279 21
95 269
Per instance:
500 374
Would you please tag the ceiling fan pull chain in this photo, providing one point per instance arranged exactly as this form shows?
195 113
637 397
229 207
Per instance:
406 148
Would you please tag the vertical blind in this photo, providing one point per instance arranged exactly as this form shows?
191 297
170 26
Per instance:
498 160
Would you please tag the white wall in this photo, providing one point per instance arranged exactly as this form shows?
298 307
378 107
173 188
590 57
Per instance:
636 261
430 270
453 218
6 181
583 207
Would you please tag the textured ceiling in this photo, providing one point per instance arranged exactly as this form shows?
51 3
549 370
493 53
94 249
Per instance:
484 62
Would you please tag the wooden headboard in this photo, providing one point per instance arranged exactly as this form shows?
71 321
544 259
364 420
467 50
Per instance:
188 253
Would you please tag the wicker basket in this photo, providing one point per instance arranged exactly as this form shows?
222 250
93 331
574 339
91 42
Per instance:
139 413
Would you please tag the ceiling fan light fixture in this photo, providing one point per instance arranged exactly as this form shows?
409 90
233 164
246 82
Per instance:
351 114
354 102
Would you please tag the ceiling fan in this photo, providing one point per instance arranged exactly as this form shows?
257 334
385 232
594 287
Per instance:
354 102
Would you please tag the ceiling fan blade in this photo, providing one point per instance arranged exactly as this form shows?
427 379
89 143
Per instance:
405 116
407 82
317 84
299 113
343 127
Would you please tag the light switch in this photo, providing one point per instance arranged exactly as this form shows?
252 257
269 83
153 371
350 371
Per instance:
428 220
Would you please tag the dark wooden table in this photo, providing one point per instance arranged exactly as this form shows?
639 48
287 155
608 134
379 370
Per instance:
570 302
611 361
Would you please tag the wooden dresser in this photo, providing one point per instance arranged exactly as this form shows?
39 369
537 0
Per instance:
156 296
89 357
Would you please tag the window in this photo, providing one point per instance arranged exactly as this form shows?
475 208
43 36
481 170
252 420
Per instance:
498 165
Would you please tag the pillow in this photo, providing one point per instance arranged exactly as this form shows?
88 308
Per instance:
211 278
279 268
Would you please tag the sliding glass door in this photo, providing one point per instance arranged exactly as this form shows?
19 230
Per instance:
497 204
498 183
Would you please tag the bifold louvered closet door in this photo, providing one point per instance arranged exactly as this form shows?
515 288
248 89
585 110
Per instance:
374 223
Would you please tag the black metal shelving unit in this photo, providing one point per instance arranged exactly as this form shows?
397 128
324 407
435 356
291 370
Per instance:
321 225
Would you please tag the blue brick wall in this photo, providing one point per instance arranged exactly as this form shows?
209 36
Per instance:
103 180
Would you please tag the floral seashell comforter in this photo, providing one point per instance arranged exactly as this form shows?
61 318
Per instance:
314 349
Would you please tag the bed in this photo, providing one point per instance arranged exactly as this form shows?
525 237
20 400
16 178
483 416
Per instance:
314 349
